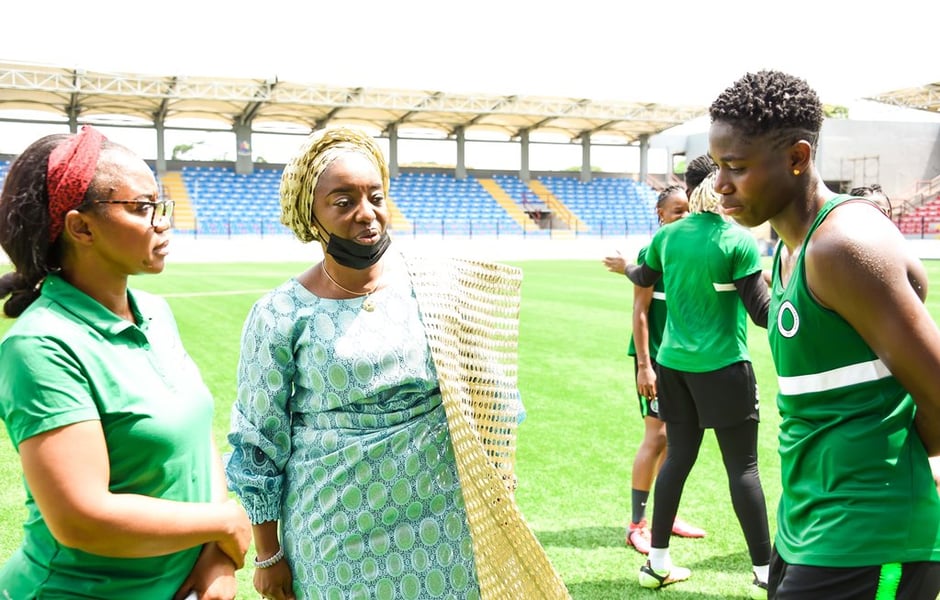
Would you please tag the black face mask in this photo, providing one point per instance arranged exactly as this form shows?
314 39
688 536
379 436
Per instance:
353 254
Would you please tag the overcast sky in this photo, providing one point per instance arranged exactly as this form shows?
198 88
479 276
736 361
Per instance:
681 52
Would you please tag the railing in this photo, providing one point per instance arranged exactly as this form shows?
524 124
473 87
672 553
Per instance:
228 227
925 190
443 228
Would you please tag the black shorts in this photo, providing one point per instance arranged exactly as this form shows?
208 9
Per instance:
899 581
649 407
713 399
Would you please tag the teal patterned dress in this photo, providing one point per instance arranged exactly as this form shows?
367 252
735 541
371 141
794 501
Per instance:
339 433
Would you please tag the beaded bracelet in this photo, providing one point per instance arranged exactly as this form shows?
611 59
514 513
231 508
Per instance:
271 561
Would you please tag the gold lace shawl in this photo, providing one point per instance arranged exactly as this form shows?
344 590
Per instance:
471 313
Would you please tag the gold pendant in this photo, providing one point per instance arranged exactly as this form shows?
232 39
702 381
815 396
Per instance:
368 305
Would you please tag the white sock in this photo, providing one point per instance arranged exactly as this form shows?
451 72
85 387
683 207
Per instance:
762 572
659 560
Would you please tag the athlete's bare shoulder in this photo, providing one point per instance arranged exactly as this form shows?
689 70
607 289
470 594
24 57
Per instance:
855 249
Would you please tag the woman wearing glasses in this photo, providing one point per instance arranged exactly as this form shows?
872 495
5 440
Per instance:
112 421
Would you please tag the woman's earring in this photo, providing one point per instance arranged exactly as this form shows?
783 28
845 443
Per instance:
796 171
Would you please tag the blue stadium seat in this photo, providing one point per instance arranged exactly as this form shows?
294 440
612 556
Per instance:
432 202
608 205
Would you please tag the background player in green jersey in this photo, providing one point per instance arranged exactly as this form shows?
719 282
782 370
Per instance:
856 353
649 319
711 272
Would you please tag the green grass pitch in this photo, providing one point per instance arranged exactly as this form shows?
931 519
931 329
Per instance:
575 448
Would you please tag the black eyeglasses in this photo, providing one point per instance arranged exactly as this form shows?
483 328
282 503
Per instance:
159 210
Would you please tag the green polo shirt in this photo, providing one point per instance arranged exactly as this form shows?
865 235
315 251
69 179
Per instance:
68 359
700 258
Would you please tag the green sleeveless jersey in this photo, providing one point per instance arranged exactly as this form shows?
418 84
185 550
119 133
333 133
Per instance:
655 316
700 257
857 486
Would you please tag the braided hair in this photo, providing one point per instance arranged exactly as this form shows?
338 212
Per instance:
697 170
25 221
877 195
667 191
865 191
24 225
704 198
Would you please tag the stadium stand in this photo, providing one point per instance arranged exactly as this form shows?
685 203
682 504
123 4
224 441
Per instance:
230 198
923 220
536 206
439 203
430 203
920 214
609 206
228 203
214 200
184 215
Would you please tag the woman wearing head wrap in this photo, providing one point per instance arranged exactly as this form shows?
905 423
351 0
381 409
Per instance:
125 491
374 428
711 272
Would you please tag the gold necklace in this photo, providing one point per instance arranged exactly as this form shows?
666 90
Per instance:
367 304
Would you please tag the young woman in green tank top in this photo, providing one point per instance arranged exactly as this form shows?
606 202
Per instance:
856 353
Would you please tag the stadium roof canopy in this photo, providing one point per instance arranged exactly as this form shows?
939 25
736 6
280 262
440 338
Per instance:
79 96
926 97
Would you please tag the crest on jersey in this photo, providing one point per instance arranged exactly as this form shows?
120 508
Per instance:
788 320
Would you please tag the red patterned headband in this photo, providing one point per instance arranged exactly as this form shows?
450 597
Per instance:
72 166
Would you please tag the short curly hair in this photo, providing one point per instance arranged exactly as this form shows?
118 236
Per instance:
771 103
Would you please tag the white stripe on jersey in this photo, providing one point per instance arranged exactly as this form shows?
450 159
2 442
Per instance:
836 378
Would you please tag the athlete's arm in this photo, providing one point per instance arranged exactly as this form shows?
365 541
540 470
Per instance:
860 267
615 264
645 376
753 292
642 275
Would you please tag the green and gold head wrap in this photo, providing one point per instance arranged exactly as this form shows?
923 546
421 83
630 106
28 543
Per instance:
704 197
302 173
